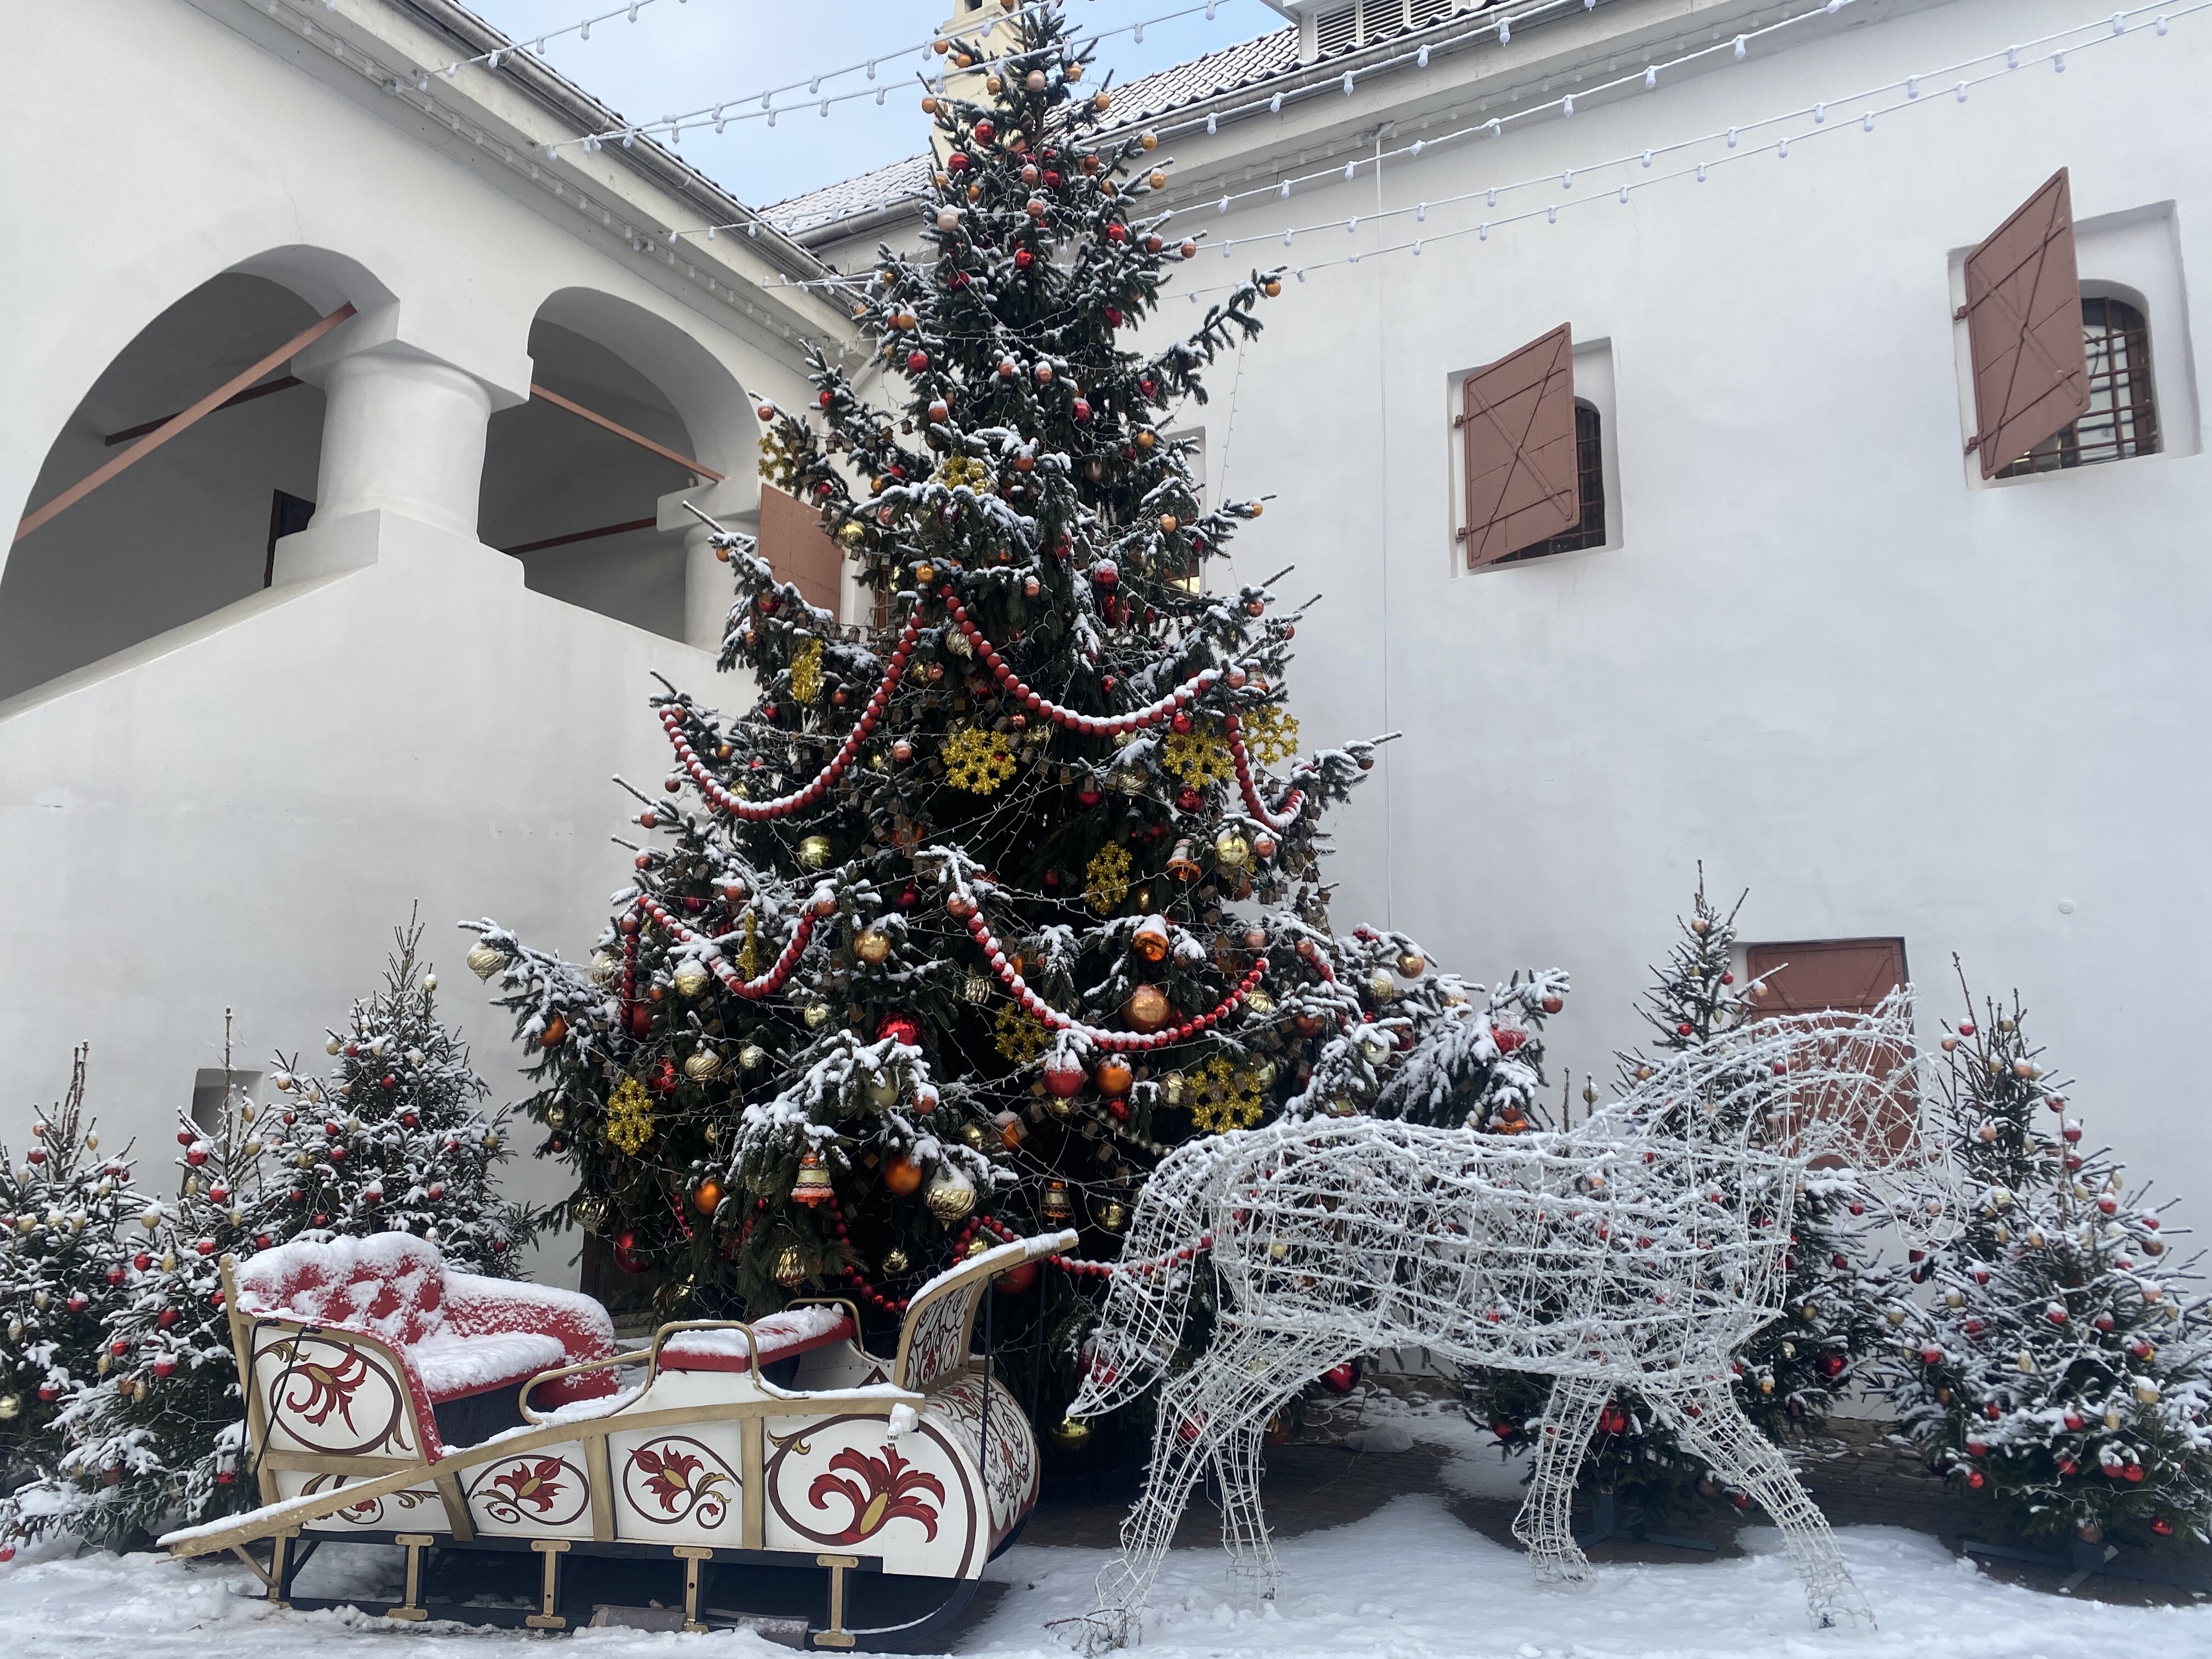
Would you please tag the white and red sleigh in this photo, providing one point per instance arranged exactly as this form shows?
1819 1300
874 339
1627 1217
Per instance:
376 1382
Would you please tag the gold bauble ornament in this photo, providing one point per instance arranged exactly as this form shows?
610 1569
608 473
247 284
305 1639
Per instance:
1412 964
951 1195
882 1090
692 980
894 1262
975 987
1231 851
1110 1214
483 962
816 1015
604 966
1146 1010
591 1213
872 945
790 1267
814 852
752 1057
1071 1434
1259 1002
1380 986
1173 1088
10 1406
703 1064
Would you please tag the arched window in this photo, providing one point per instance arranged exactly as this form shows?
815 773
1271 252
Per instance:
1590 475
2123 417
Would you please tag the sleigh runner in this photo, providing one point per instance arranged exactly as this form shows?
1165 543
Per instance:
377 1382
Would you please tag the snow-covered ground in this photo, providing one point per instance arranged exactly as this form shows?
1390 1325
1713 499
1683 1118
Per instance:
1407 1582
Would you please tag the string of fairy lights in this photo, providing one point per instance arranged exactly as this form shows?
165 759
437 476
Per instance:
1862 110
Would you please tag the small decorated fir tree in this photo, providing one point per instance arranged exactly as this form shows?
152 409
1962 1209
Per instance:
63 1267
2063 1373
158 1445
395 1139
1790 1370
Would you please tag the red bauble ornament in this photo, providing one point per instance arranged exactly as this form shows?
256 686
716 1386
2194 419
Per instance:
664 1079
1613 1420
1341 1379
984 131
165 1366
900 1028
1021 1278
1115 233
196 1157
1508 1038
141 1261
956 162
916 362
1187 799
1112 317
1022 260
1080 410
1064 1076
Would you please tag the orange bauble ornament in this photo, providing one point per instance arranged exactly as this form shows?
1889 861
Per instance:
1147 1009
1112 1075
706 1197
1151 941
902 1176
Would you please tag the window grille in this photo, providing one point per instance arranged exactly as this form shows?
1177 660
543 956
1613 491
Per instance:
1590 481
2122 421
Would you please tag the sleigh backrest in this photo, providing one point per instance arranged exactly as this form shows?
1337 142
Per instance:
939 1331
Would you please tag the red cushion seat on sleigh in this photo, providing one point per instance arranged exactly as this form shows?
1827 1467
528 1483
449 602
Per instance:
457 1336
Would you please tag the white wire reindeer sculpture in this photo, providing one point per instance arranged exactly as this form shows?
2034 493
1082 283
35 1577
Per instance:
1639 1249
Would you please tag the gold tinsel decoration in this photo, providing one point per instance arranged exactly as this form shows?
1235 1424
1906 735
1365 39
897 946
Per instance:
959 469
1019 1037
777 463
978 760
629 1116
1106 879
806 672
1199 758
1271 733
749 952
1223 1098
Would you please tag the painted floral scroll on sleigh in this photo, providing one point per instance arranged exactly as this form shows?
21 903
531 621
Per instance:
378 1382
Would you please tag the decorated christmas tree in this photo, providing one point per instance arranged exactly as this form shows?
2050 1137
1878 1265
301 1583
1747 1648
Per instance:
159 1443
970 917
63 1264
1832 1329
2056 1365
396 1139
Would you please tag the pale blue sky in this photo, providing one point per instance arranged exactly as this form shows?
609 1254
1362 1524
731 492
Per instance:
681 55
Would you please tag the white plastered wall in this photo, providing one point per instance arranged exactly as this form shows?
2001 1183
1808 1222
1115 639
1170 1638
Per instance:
234 814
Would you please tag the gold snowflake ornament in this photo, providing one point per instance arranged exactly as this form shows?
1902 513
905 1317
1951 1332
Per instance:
978 760
1019 1037
1198 757
1271 733
629 1116
806 672
1106 879
1223 1098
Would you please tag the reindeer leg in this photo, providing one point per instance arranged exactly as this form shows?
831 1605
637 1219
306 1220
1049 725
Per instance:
1546 1523
1706 1418
1244 1523
1177 1460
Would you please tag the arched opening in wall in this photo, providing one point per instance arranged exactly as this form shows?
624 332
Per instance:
192 525
574 478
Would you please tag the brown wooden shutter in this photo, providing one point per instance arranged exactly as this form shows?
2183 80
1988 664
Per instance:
1518 422
1851 976
2023 315
799 551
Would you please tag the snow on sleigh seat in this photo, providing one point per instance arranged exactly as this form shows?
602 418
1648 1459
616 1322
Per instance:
778 1342
372 1350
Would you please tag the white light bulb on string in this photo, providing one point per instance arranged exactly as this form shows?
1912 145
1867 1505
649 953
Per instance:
1912 85
2058 63
1962 92
1137 35
1740 48
1647 158
1416 147
1286 191
1731 138
1782 151
1504 31
1482 232
1348 168
1417 247
1866 121
1566 106
1211 125
1820 114
1567 180
1347 83
1651 80
1701 173
1421 214
1275 105
1624 195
